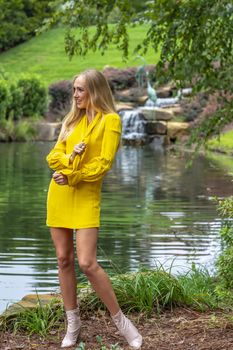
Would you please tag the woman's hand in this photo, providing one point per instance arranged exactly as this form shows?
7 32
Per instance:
79 148
60 179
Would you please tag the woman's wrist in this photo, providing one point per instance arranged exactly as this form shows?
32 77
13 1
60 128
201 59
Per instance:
73 154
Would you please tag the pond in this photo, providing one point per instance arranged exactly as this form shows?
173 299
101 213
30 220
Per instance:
155 211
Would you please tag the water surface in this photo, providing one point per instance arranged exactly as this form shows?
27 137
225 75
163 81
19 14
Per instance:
154 210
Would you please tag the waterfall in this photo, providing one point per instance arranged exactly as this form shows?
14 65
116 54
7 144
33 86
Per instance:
133 125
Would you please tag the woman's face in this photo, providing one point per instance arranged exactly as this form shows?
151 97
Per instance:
81 95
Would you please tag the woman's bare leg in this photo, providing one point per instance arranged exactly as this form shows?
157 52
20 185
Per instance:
86 242
86 251
63 242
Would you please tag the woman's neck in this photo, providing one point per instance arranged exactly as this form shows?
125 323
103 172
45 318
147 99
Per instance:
91 115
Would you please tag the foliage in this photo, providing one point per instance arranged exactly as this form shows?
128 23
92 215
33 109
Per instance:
146 291
155 290
15 105
195 39
198 289
20 19
24 96
224 262
40 320
34 95
61 95
4 99
103 347
21 130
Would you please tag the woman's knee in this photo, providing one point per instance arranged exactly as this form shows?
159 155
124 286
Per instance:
88 267
65 261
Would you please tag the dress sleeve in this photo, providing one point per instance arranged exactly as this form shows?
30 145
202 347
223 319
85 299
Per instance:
97 167
57 158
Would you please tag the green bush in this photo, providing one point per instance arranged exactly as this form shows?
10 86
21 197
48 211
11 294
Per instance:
61 98
224 263
4 99
21 130
34 102
15 105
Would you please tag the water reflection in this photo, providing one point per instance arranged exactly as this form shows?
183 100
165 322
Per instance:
153 210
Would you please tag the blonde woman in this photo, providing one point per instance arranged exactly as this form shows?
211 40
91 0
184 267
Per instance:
84 152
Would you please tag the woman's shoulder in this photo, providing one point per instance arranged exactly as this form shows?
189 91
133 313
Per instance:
112 117
113 121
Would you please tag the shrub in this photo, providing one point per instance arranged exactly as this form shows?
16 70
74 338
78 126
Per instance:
4 99
24 131
61 96
224 263
16 131
34 100
15 106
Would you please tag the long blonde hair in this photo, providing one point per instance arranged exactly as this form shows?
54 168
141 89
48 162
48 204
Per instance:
100 99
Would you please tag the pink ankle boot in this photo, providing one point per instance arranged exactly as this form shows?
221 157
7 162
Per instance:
73 329
128 330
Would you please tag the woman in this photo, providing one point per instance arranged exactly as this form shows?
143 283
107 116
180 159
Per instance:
84 152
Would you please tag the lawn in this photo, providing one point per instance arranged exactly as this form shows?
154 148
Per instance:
45 55
222 143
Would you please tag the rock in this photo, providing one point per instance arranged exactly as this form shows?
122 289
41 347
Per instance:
164 92
159 141
123 106
44 298
177 129
135 142
154 127
29 302
120 79
135 95
156 113
177 110
47 131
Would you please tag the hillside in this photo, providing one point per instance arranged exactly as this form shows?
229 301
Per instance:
45 55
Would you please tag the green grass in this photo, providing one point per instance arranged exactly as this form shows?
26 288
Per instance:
145 292
45 55
222 143
222 161
149 291
40 320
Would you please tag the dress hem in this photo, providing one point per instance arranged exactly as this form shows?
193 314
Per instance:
74 227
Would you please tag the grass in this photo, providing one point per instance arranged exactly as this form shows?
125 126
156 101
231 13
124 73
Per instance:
41 320
222 161
223 143
45 55
145 292
149 291
199 289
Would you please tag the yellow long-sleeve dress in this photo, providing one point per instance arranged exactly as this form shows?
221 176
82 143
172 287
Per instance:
77 205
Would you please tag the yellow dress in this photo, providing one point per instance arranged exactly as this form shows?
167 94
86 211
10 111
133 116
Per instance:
77 205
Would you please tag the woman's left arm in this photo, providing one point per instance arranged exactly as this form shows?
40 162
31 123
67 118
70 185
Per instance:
97 167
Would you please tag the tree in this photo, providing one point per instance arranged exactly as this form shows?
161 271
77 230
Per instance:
20 19
194 37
